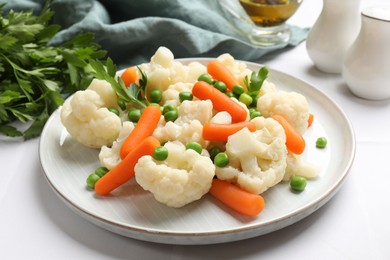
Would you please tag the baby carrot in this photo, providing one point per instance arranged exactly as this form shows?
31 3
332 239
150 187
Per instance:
124 171
221 132
144 128
310 120
129 76
244 202
220 72
294 140
221 102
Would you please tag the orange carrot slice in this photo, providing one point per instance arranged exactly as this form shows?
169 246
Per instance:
310 120
220 72
204 91
234 197
129 76
294 140
221 132
124 171
145 127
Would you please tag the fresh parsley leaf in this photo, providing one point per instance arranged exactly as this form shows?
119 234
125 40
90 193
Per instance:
9 96
134 94
256 81
10 131
134 90
36 127
7 41
35 76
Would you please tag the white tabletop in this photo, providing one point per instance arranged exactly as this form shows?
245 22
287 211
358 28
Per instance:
354 224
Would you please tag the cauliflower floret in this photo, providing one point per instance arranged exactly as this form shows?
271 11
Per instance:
105 92
257 161
267 87
201 110
110 156
222 117
163 71
186 73
297 166
184 132
238 68
171 95
86 117
158 70
189 125
291 105
185 176
163 57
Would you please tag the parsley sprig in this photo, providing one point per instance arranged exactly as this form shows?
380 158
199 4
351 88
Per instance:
135 94
256 81
36 77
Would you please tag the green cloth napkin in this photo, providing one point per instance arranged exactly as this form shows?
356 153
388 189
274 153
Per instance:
132 30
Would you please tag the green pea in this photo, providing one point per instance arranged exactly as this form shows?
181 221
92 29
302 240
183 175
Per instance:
91 180
114 110
171 115
254 101
230 94
155 104
220 86
251 110
213 152
160 153
298 183
221 160
134 115
122 104
238 90
185 95
101 171
155 96
245 98
206 78
168 107
194 146
321 142
254 114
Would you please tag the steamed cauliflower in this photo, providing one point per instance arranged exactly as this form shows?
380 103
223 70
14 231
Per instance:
86 117
297 166
291 105
163 70
237 68
171 95
267 87
222 117
185 176
189 124
109 157
258 159
201 110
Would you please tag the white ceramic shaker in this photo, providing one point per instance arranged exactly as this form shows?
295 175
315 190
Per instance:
332 34
366 67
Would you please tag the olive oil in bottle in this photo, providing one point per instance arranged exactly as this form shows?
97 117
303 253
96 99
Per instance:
268 13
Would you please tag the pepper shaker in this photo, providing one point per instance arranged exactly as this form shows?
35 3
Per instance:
332 34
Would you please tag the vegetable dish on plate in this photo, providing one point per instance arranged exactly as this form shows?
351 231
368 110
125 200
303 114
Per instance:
183 131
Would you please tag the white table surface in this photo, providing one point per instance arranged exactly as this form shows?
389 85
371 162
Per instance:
354 224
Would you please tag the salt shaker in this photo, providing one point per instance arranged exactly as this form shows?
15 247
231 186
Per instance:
366 68
332 34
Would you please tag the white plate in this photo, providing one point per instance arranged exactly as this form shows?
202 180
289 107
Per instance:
133 212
